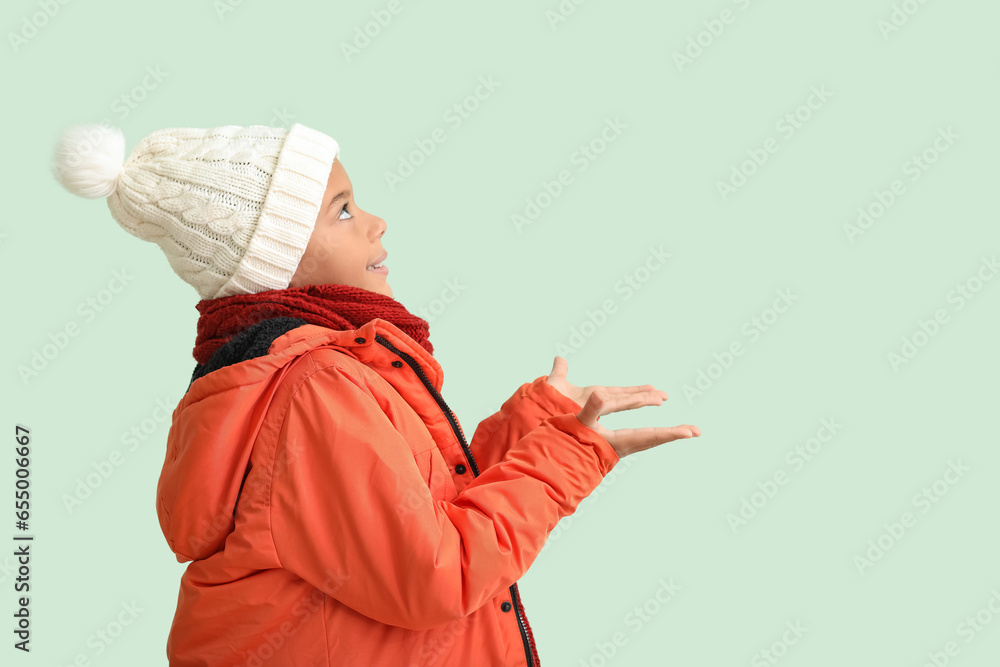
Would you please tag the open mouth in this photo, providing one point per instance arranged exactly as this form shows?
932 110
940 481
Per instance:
378 266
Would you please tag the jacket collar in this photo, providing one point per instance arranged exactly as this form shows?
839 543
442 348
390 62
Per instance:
359 343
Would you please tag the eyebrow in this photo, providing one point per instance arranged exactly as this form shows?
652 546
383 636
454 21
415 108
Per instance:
336 197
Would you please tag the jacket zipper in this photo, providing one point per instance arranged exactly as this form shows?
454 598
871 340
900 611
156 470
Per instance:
522 620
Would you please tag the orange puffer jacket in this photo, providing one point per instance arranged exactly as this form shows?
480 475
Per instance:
334 514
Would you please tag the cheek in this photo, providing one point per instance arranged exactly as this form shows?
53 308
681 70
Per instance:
324 251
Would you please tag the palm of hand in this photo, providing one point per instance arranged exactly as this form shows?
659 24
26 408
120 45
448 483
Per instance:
557 378
614 399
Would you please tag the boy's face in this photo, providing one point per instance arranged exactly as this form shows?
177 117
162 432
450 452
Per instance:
344 243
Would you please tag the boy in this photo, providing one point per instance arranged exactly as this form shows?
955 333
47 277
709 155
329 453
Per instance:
323 491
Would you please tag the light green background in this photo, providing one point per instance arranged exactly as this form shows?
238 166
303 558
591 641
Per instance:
663 516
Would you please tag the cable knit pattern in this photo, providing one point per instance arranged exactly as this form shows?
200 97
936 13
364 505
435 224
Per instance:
231 207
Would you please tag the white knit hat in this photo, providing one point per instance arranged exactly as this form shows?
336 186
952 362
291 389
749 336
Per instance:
231 207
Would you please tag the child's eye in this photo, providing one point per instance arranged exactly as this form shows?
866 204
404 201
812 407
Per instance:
342 212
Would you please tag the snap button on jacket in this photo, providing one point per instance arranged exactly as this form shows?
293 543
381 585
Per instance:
317 493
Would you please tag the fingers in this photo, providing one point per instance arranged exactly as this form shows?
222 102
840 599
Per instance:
635 389
630 440
640 388
560 367
602 402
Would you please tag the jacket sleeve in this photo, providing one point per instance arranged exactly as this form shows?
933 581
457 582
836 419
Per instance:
530 404
351 514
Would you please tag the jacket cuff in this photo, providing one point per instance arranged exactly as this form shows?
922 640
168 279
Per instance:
553 401
606 454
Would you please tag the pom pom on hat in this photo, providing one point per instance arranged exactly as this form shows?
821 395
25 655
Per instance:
88 159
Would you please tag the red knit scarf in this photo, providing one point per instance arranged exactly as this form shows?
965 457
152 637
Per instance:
338 307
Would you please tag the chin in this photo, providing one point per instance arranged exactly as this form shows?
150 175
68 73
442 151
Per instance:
382 288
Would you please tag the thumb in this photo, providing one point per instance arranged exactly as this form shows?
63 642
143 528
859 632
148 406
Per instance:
559 367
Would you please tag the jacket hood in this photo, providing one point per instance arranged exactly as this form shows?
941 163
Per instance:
206 458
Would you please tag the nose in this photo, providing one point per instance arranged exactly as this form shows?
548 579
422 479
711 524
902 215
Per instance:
379 226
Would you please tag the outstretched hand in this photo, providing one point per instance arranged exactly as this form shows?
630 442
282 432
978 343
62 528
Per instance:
598 400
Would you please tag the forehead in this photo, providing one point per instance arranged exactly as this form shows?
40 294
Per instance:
338 174
338 182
